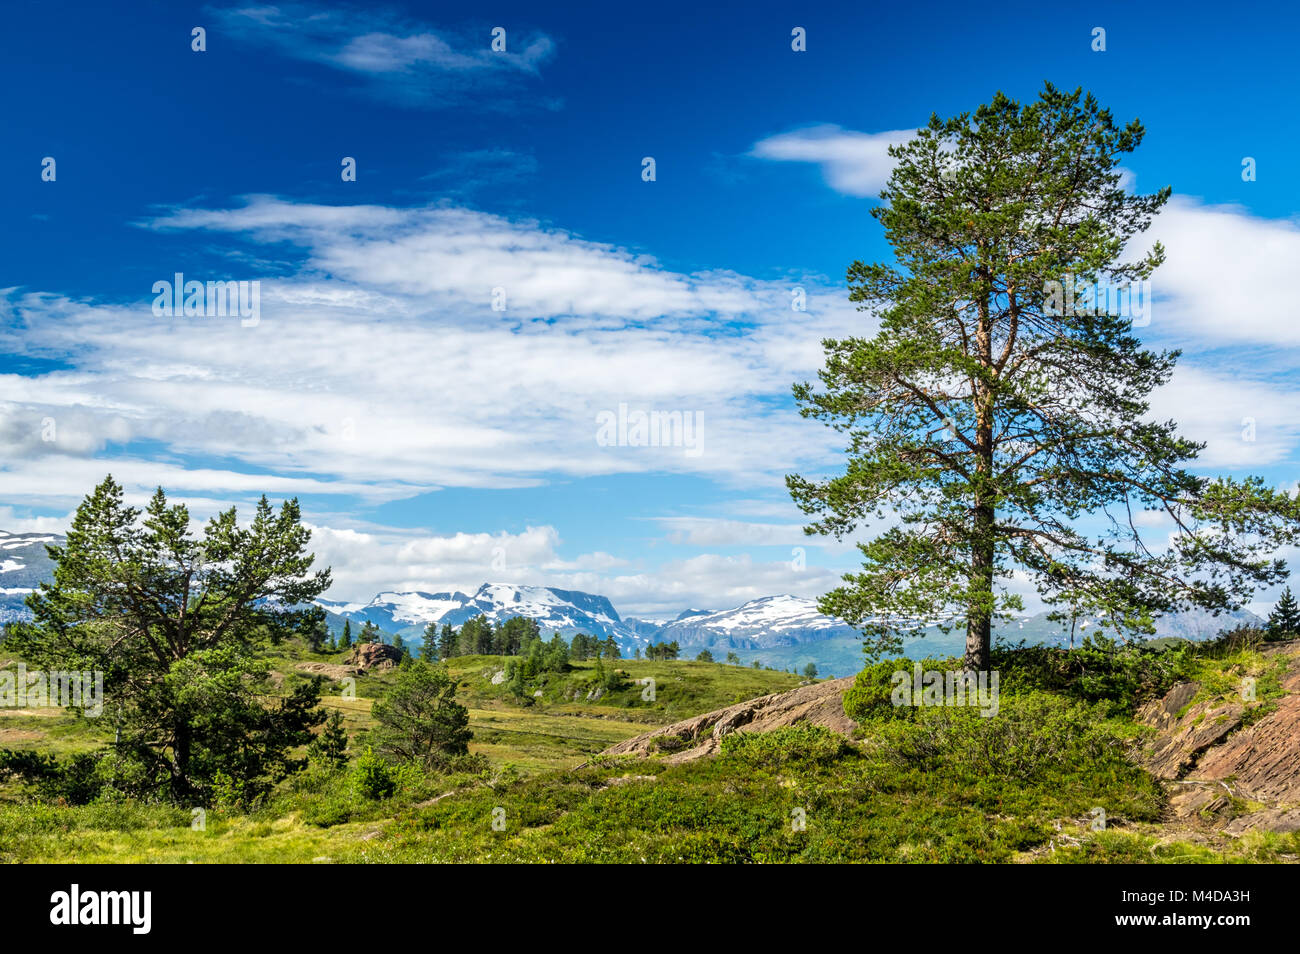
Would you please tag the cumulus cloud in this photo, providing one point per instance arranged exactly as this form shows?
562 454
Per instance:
1228 276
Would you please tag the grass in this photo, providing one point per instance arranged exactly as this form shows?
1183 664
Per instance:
941 785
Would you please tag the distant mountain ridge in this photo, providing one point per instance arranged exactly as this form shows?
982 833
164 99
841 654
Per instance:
23 566
775 627
555 610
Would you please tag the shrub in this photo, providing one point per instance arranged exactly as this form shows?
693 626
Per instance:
800 743
871 695
1122 676
373 777
76 780
1031 734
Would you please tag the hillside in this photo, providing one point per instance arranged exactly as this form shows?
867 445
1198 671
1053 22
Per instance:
727 763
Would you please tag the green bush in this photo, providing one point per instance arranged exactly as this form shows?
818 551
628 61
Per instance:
77 780
1032 734
871 695
800 743
1122 676
372 776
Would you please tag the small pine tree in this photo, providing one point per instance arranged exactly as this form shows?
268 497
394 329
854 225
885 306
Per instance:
345 642
810 671
733 659
447 638
704 656
331 746
1284 621
429 648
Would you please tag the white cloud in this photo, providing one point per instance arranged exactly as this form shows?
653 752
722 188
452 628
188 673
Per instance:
854 163
1245 424
407 62
379 369
1229 276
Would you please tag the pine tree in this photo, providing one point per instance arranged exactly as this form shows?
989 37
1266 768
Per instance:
447 638
1284 621
331 746
1005 424
429 648
179 625
345 641
420 719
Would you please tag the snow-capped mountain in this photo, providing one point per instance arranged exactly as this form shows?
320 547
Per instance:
563 611
759 624
770 623
23 565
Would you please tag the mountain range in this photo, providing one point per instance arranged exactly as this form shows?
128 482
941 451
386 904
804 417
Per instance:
778 630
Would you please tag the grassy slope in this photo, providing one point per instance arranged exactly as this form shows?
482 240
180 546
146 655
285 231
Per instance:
860 802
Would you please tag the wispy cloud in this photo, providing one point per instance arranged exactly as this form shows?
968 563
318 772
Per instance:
410 63
380 369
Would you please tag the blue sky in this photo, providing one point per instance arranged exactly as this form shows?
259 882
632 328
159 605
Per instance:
435 442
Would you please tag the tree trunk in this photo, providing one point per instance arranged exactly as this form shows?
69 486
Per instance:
979 621
181 761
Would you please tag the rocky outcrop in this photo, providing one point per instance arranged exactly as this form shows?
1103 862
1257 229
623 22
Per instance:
1271 819
1263 760
375 656
819 704
1223 763
1185 735
328 670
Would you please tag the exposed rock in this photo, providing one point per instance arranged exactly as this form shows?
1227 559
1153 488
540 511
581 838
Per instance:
328 670
1200 800
1163 713
498 677
1271 819
1263 759
1184 738
700 736
375 656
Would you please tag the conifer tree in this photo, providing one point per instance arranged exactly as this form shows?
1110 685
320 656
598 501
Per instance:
999 411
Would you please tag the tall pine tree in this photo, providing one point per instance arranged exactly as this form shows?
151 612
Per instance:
1002 421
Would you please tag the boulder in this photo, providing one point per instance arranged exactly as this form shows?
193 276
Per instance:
375 656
